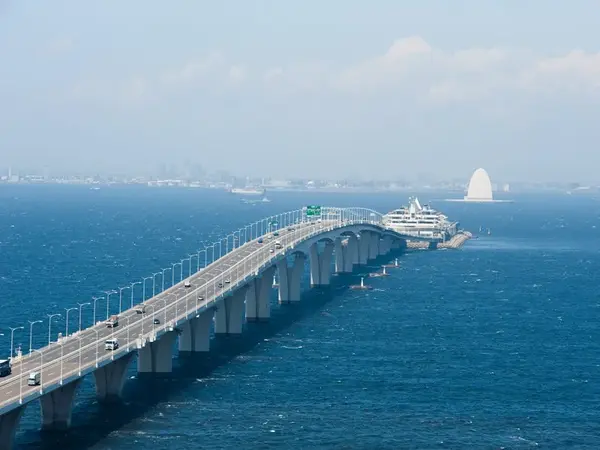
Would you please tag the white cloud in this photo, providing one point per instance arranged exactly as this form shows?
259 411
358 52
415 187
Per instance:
59 46
410 69
272 74
237 74
194 70
413 66
131 92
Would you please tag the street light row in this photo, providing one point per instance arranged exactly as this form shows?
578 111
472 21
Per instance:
249 232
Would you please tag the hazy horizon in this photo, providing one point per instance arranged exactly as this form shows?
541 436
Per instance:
388 90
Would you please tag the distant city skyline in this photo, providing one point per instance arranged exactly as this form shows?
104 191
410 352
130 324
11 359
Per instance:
385 90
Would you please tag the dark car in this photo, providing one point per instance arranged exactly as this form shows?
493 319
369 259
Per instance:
156 322
260 241
220 285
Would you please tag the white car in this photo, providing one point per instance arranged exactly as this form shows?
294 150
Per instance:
187 284
271 250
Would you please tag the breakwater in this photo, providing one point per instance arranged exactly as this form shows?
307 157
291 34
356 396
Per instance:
457 241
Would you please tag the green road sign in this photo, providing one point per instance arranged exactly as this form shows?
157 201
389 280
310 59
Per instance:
313 210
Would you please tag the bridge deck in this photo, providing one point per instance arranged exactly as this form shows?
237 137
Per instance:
83 352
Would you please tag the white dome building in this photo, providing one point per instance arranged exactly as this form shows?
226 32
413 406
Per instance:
480 187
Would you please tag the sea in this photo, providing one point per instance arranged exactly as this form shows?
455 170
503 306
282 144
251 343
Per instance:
493 346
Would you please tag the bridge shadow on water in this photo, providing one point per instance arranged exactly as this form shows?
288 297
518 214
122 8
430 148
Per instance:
93 422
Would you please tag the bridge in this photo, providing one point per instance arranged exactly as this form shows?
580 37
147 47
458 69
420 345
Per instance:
231 283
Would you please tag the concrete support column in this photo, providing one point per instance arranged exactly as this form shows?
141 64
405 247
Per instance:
290 279
284 273
320 264
295 277
229 317
325 264
110 379
384 245
374 245
339 255
353 244
195 333
9 423
157 356
57 407
258 297
433 245
363 248
348 264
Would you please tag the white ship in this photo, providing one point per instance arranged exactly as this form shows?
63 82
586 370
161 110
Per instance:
420 221
248 191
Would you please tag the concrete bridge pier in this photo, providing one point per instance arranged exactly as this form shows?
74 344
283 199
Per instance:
398 244
363 248
290 279
229 317
110 379
9 423
385 245
258 297
374 245
433 245
195 333
320 264
57 406
157 356
339 254
352 253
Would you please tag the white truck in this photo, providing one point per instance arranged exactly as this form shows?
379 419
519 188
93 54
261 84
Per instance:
140 309
111 344
34 379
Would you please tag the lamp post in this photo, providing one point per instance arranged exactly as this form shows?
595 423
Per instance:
81 305
132 289
41 372
190 256
121 289
96 345
144 288
198 296
173 265
154 283
12 339
95 299
153 315
176 306
127 318
181 269
79 338
50 316
163 277
62 346
67 320
31 324
165 302
108 294
198 260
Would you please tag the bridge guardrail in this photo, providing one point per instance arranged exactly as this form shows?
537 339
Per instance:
338 217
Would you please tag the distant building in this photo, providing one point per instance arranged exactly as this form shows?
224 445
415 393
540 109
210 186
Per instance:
480 187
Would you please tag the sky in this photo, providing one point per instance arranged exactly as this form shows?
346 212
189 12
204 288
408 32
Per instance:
302 88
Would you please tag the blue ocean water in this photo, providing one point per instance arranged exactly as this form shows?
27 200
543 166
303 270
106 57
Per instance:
492 346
